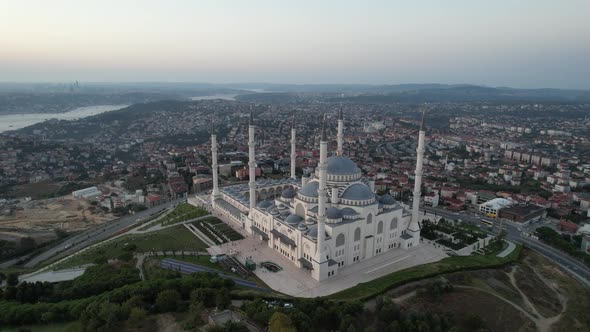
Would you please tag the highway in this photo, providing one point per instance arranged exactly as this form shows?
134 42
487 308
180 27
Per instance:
519 234
97 234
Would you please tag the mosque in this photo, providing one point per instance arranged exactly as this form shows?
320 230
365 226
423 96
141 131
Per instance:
325 221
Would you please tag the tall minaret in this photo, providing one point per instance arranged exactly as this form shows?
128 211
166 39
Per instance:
251 165
340 136
414 227
293 152
214 166
322 166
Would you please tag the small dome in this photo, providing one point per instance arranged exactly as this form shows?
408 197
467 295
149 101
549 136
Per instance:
285 213
358 192
310 189
333 213
288 193
340 165
302 226
293 219
310 221
313 231
264 204
387 200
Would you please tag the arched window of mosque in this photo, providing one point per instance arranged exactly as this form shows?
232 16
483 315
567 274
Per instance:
340 240
357 234
380 227
369 218
393 223
300 210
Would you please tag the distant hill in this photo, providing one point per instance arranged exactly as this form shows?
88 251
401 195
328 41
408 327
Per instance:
415 93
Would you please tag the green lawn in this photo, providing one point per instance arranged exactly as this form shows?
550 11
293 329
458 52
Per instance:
181 213
173 238
450 264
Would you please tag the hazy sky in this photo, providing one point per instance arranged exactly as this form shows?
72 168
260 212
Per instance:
526 43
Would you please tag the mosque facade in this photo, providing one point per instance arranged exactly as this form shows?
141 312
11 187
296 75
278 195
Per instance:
325 221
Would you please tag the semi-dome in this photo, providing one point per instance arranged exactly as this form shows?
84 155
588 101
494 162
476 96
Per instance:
288 193
293 219
333 213
310 189
358 192
349 212
387 200
341 165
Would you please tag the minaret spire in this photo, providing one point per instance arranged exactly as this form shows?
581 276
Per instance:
322 165
340 137
414 227
214 167
251 165
293 147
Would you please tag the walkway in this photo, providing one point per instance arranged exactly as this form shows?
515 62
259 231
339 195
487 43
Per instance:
508 250
54 276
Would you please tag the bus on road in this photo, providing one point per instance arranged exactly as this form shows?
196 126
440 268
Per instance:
487 223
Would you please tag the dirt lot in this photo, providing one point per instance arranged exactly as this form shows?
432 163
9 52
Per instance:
39 218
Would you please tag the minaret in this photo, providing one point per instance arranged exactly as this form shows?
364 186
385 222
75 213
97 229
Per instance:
251 165
340 136
322 166
414 227
293 152
214 166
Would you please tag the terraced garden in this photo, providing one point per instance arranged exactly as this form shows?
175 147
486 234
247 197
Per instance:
217 230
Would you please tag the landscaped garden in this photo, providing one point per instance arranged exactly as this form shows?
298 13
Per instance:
450 235
218 231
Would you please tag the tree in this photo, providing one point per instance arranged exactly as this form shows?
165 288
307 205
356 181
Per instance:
279 322
137 316
168 300
12 279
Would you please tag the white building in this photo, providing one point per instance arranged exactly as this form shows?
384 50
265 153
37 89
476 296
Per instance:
491 207
86 193
326 221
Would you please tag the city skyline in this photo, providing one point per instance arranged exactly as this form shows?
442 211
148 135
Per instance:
529 44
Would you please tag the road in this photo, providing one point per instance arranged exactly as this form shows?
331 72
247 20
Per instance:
97 234
519 234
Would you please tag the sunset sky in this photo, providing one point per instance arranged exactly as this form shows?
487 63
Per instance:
528 43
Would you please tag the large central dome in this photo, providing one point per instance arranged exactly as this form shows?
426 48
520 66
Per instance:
341 169
340 165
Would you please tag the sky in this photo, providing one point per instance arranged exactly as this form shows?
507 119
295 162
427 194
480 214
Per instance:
516 43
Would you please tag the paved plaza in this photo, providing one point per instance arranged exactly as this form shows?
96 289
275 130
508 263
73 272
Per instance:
295 281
